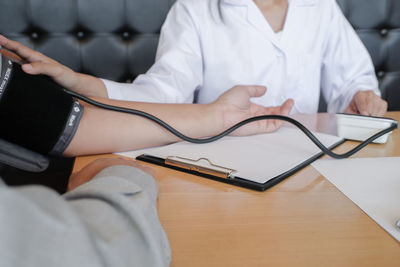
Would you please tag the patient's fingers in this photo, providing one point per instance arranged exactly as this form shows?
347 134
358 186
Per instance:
255 90
287 107
283 109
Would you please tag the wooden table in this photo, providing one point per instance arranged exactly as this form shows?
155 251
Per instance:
303 221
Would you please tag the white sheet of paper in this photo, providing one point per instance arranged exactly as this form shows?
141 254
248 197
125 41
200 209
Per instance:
373 184
258 158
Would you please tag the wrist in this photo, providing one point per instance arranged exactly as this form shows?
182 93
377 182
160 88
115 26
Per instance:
216 114
76 82
88 85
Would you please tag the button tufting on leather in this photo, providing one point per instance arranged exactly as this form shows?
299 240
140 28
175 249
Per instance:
126 35
34 35
383 32
80 34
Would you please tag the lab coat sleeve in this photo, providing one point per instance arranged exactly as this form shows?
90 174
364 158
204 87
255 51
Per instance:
347 66
178 69
110 221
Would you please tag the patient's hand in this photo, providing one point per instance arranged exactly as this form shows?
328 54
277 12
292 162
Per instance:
235 105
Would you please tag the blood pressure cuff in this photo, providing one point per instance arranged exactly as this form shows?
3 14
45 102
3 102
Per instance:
22 158
35 112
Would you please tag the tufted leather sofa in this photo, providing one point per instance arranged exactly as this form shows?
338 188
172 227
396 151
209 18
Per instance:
117 39
114 39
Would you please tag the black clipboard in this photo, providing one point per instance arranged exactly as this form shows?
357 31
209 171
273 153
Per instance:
227 176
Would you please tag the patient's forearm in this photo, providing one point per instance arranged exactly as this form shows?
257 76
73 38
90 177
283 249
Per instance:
102 131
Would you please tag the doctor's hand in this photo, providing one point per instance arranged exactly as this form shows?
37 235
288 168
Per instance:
235 105
35 63
367 103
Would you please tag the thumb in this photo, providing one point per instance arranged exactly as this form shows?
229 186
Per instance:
56 71
59 73
40 68
351 108
361 105
287 106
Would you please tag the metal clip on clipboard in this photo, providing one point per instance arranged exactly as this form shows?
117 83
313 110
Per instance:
197 165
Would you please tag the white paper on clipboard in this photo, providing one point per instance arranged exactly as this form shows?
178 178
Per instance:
257 158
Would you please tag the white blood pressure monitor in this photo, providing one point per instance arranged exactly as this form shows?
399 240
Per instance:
359 127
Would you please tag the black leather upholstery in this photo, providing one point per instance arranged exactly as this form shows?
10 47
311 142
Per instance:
114 39
117 39
377 22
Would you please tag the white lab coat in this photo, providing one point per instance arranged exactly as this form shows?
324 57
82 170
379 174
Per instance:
201 56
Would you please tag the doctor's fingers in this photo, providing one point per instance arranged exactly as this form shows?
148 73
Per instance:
378 107
59 73
368 103
351 108
383 107
22 51
362 103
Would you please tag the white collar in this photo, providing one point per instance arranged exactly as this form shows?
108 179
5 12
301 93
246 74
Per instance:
246 2
304 2
237 2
